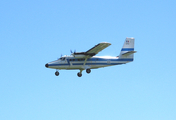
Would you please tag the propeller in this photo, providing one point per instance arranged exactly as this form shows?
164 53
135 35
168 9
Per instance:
72 51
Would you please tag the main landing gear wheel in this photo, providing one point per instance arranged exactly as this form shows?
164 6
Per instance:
79 74
88 70
57 73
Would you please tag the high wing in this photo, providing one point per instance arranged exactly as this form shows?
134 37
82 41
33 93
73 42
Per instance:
93 51
97 48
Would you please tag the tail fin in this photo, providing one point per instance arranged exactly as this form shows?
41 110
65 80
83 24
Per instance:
128 49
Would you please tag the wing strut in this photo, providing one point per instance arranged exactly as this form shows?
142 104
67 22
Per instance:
85 61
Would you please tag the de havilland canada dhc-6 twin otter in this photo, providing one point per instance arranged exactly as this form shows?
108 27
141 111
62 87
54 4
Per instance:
87 60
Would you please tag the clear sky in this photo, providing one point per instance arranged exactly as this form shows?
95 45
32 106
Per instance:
35 32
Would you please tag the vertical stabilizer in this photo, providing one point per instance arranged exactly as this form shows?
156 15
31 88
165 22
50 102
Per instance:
127 49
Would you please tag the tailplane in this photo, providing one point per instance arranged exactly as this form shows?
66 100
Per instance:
128 49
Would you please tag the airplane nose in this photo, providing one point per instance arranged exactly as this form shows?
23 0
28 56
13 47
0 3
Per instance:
46 65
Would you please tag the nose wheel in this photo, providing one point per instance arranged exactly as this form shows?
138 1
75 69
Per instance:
79 73
57 73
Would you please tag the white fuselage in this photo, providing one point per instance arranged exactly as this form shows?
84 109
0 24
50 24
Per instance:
70 62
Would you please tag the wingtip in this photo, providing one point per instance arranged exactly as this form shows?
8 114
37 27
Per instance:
105 43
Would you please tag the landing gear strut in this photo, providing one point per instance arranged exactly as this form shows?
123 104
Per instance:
57 73
79 73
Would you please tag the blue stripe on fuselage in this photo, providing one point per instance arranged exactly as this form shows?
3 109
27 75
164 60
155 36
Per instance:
103 59
97 59
98 63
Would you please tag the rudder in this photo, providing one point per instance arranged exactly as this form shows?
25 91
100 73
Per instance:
127 49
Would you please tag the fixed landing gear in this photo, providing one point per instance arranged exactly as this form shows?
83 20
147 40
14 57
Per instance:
88 70
57 73
79 74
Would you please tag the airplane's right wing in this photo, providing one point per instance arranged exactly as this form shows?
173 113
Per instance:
97 48
93 51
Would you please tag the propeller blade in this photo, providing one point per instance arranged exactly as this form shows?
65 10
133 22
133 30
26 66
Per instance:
71 51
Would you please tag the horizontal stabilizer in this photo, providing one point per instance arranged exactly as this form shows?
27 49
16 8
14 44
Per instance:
128 53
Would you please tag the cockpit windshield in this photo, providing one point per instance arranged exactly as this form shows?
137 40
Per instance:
62 58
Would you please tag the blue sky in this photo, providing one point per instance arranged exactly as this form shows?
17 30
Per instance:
35 32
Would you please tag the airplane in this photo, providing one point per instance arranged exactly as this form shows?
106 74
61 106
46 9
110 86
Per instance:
87 60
